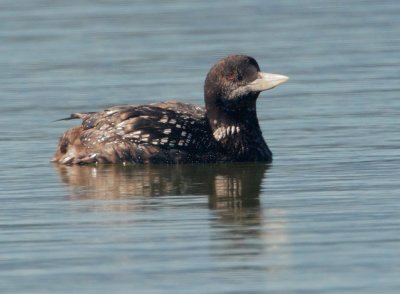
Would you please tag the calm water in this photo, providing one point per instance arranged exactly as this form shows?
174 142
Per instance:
324 218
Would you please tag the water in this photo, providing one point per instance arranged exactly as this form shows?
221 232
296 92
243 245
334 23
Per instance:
323 218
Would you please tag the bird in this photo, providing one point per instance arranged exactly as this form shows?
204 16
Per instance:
225 130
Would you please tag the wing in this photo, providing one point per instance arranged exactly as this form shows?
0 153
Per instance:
167 132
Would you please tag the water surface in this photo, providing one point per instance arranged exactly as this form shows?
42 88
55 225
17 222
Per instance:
323 218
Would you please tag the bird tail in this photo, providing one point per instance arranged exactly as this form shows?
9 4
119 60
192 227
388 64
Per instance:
76 115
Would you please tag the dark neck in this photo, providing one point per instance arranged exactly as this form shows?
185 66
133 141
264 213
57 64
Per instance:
238 132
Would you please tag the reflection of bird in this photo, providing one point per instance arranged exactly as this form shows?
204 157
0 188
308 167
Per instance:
225 184
115 181
227 129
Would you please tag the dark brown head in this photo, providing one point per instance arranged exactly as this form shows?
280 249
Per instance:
232 87
236 81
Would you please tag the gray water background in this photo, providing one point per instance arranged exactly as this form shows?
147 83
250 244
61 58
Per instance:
323 218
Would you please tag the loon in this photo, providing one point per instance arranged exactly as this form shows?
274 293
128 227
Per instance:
226 130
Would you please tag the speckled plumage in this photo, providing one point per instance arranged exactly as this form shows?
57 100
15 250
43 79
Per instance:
173 132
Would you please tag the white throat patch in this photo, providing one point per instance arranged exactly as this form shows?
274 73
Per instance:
225 131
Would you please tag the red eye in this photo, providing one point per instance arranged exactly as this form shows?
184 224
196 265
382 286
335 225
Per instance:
231 76
234 76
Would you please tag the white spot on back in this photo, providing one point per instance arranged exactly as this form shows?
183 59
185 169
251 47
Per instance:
66 159
164 120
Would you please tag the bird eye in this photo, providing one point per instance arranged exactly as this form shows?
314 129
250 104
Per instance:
231 76
234 76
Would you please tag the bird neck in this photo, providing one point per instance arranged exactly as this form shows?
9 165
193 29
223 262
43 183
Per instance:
238 132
